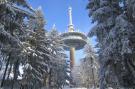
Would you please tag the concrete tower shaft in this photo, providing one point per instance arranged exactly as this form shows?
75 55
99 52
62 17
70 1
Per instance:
72 57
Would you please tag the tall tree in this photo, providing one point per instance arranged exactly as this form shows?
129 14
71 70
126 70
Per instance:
38 55
114 31
86 73
58 70
10 44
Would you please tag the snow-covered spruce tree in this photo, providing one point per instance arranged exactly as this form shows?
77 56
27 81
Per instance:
115 34
36 67
104 13
125 36
76 76
58 71
10 44
88 69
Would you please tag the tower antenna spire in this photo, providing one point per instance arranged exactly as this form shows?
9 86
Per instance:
70 27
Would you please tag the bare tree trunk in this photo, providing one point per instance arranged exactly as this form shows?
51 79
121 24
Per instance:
102 77
15 73
49 82
0 65
3 79
9 71
93 73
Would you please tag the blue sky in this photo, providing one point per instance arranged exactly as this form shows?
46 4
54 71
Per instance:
56 12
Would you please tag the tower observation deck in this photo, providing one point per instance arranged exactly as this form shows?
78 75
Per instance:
73 40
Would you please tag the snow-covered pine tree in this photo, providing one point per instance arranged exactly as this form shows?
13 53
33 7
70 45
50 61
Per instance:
36 67
89 68
58 73
104 12
124 42
10 44
115 34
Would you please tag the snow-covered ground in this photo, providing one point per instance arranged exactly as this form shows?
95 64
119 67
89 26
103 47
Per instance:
67 87
75 88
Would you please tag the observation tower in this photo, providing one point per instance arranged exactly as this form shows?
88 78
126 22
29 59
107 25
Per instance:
73 40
